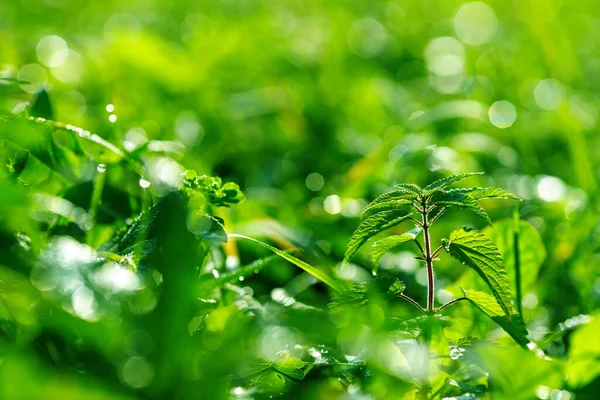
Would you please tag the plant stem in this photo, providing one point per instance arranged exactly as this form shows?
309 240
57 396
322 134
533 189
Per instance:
448 304
414 303
426 333
428 260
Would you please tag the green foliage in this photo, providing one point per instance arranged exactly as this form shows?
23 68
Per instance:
359 295
531 250
317 273
476 251
373 225
118 277
511 321
383 246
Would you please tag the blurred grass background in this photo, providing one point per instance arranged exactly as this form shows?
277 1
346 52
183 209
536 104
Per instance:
314 108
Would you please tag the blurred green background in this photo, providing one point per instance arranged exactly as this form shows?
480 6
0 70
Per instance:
313 108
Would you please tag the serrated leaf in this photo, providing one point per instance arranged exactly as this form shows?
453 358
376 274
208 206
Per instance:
317 273
383 246
476 251
460 199
396 198
480 193
511 322
371 226
531 250
384 288
410 187
291 367
445 182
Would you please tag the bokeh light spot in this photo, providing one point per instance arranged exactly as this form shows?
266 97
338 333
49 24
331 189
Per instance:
475 23
502 114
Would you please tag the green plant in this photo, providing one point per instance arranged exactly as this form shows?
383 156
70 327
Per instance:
423 207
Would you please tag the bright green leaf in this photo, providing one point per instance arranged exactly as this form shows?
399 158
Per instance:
445 182
531 250
460 199
584 353
390 200
291 367
512 322
373 225
477 252
383 246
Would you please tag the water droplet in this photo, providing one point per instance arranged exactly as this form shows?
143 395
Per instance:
112 118
144 183
101 168
241 278
110 108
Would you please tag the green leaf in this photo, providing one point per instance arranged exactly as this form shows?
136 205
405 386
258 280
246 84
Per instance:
317 273
517 373
381 247
385 288
480 193
409 187
511 322
584 353
445 182
291 367
396 198
207 226
531 250
372 226
460 199
477 252
213 189
40 105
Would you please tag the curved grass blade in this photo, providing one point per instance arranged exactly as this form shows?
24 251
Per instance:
317 273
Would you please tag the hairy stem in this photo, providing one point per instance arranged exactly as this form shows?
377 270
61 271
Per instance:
448 304
414 303
428 260
425 389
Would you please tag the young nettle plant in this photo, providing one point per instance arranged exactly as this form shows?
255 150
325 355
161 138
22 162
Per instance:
423 207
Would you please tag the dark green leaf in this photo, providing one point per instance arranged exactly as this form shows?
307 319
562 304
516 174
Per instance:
371 226
41 106
477 252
